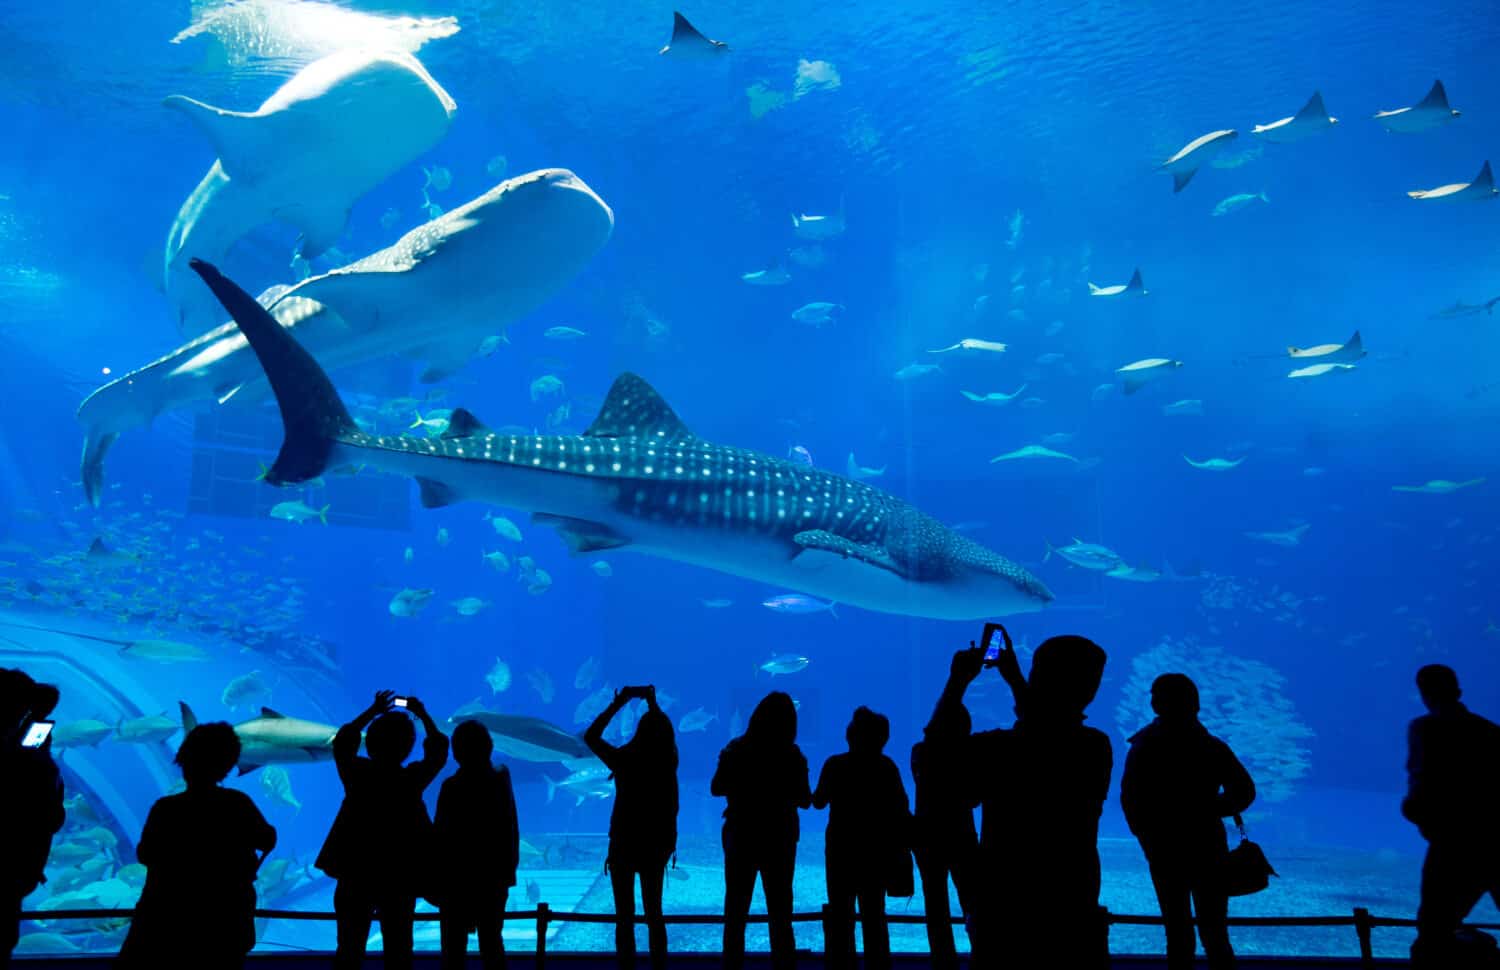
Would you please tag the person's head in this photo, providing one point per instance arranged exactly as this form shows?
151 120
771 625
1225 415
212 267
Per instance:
774 720
390 738
23 700
867 732
208 753
472 745
1174 697
1065 675
655 736
1438 685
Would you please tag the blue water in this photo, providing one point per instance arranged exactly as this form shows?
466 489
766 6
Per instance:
945 122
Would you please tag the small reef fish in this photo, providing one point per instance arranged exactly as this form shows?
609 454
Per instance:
1290 537
498 677
541 682
602 569
800 456
913 372
410 602
697 719
498 560
774 275
818 314
299 512
546 386
1088 555
277 786
469 606
588 672
1235 203
1188 407
505 528
246 690
798 604
434 424
782 664
564 333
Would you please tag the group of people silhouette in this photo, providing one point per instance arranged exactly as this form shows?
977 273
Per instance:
1027 879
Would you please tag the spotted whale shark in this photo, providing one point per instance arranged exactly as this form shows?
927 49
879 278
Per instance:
638 479
494 259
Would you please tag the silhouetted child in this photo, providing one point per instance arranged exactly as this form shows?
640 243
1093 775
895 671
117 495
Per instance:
380 846
31 807
643 823
944 837
1179 785
763 776
868 838
478 849
1042 784
201 849
1453 788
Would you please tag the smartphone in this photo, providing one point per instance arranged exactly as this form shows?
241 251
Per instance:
992 648
398 702
37 734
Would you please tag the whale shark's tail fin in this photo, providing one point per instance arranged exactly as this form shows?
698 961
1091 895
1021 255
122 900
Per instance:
1436 98
312 415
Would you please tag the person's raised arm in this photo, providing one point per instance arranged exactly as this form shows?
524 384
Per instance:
434 743
346 741
962 670
594 736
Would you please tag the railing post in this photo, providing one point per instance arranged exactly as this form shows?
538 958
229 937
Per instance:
827 930
543 917
1363 927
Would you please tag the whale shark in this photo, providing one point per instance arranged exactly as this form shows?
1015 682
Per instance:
436 294
335 130
638 479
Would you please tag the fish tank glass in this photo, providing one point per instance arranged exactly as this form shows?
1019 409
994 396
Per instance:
762 347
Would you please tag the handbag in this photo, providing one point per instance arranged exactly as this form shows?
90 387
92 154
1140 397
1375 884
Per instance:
1246 868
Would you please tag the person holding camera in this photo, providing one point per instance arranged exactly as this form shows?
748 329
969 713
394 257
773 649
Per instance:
643 823
1042 785
380 846
32 810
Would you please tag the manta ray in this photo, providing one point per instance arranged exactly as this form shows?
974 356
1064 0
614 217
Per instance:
639 480
335 130
435 294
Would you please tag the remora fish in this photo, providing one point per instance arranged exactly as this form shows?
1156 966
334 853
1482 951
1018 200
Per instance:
493 260
638 478
275 739
331 133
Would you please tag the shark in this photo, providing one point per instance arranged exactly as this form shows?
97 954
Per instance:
274 739
638 479
333 131
493 260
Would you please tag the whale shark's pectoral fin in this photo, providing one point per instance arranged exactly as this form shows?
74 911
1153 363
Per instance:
435 494
816 543
240 138
632 409
445 359
582 535
321 226
91 470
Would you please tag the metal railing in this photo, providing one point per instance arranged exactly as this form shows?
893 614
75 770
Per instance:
1361 919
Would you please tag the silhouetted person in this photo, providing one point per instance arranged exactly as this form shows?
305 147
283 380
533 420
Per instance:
380 845
31 799
1042 784
869 832
478 849
1453 788
1180 783
201 849
945 840
643 823
763 776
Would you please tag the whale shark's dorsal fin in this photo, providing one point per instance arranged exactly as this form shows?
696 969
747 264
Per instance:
463 424
237 136
1436 98
633 409
1314 110
267 712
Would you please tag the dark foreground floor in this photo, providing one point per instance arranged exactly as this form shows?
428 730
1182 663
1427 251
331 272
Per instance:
699 961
